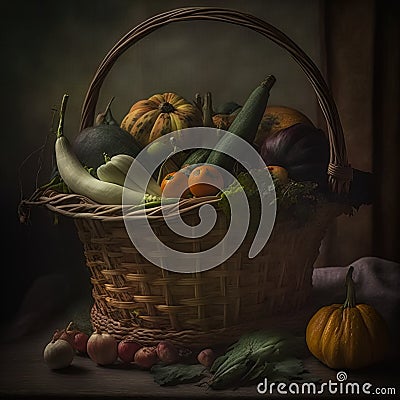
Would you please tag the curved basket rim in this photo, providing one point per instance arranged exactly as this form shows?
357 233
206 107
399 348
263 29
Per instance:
77 206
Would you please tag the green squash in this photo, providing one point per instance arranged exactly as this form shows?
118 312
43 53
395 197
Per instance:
105 137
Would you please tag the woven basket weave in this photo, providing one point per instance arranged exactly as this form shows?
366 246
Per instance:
134 298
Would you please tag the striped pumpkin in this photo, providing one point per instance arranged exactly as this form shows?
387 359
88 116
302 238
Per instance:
149 119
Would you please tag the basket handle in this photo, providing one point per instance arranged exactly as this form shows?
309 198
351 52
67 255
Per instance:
340 173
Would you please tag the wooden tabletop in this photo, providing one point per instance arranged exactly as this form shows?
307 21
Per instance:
24 375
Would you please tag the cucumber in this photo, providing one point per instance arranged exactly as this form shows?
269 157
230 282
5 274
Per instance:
245 124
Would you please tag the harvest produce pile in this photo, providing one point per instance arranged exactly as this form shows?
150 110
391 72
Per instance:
253 357
296 154
96 163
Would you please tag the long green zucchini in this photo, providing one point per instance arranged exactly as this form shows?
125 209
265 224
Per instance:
245 124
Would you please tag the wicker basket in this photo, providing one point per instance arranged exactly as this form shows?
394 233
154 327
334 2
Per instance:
133 298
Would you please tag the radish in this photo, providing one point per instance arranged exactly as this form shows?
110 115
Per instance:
127 350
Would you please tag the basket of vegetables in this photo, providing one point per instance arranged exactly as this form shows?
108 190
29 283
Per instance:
134 298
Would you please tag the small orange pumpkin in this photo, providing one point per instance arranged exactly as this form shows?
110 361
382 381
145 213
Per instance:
150 119
349 335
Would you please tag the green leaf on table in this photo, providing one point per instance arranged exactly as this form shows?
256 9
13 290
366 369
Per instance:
175 374
257 355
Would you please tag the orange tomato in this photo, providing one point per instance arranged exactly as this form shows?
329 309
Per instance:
205 180
175 185
166 179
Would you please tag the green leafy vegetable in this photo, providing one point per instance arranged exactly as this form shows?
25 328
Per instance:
259 355
175 374
297 199
255 356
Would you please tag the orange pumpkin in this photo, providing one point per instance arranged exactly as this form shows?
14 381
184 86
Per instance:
349 335
150 119
223 121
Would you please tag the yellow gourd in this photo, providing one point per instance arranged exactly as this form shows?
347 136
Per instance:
349 335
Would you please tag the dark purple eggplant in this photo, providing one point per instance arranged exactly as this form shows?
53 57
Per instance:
302 150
